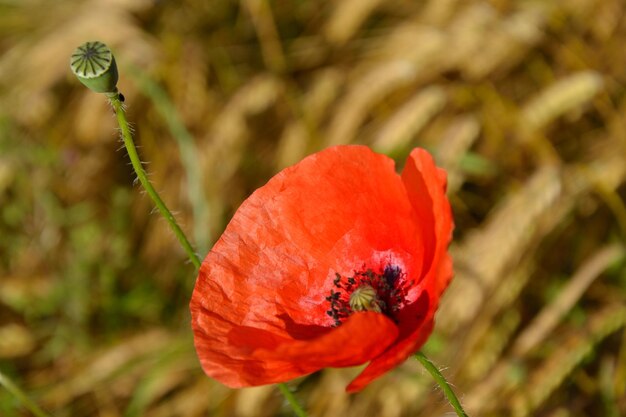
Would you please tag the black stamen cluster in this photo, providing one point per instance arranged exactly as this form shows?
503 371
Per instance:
390 290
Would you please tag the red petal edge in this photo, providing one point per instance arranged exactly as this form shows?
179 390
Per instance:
425 185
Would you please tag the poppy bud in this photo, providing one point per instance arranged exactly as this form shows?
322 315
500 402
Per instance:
94 66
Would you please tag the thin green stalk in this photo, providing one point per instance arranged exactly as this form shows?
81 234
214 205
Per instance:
143 178
295 405
443 383
21 396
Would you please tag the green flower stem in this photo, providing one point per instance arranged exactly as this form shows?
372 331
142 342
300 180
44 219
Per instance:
295 405
143 178
439 378
21 396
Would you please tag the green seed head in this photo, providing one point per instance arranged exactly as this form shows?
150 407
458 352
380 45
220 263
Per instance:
365 298
94 66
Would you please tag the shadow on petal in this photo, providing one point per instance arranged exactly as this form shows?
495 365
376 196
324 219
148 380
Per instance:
413 315
360 338
302 331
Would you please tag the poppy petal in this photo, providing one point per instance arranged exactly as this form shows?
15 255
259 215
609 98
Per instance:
426 188
429 201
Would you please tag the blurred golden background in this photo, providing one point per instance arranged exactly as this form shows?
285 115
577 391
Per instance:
523 102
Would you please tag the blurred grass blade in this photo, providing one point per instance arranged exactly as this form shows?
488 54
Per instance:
188 152
21 396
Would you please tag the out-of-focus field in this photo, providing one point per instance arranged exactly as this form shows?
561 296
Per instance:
522 101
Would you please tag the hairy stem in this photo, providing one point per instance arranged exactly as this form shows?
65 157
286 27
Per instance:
443 383
143 178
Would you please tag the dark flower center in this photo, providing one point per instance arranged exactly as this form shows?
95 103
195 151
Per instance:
382 292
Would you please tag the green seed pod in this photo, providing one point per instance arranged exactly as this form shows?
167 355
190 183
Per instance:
94 66
365 298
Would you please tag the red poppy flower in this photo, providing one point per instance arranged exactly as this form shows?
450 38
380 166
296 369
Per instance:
336 261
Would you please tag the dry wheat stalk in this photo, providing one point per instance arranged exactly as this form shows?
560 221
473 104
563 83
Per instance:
454 144
573 349
261 15
541 327
483 257
505 42
559 98
347 17
403 126
103 365
302 132
545 322
364 92
226 141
